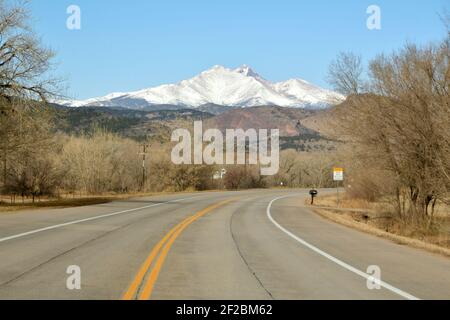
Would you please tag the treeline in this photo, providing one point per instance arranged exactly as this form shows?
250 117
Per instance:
396 122
40 162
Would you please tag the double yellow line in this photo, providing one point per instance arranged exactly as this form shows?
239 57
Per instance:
162 248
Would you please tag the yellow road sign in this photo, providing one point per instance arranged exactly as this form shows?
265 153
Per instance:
338 174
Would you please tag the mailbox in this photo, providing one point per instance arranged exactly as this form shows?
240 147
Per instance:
313 194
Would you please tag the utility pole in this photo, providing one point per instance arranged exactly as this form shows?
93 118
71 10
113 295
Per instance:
144 154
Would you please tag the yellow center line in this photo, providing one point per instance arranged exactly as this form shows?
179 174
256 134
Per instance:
134 286
166 243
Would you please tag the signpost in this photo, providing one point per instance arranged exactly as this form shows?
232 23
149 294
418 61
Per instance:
338 175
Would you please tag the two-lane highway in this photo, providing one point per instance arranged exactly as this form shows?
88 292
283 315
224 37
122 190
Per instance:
258 244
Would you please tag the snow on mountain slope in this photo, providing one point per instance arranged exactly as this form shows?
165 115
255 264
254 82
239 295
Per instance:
307 92
241 87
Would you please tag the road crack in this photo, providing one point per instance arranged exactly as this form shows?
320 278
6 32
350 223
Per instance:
233 236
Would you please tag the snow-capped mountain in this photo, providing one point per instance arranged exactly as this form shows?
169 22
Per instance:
241 87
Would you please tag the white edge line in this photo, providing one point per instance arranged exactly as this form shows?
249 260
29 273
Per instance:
335 260
87 219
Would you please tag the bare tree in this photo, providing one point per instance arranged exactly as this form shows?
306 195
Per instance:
24 62
345 73
401 127
24 86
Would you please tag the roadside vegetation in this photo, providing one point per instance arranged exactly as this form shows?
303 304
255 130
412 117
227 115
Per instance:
101 163
396 126
377 218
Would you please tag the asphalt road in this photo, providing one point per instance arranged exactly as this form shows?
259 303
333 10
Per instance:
261 244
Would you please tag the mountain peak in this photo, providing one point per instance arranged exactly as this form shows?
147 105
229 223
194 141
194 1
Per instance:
240 87
244 70
247 71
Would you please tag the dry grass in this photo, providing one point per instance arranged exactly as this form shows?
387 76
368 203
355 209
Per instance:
27 204
331 201
369 218
60 203
67 202
88 200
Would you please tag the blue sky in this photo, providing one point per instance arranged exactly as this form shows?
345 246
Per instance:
135 44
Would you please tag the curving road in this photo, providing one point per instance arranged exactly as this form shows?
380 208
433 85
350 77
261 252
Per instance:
259 244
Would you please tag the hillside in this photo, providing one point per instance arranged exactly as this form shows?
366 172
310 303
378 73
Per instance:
135 124
295 131
294 134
